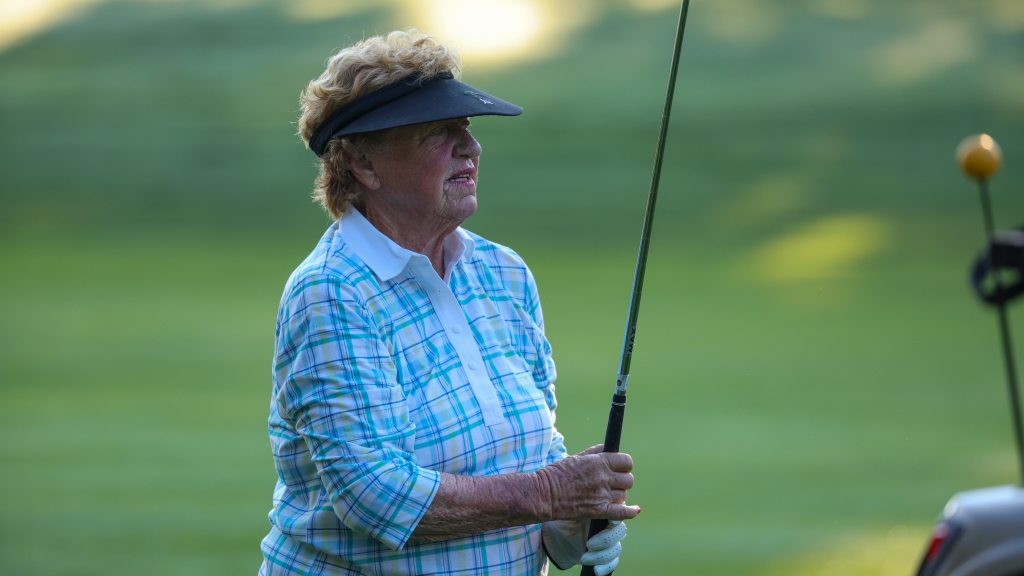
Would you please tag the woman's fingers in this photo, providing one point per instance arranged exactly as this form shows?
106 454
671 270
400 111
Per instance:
603 549
606 569
618 462
619 512
608 537
622 481
589 485
594 557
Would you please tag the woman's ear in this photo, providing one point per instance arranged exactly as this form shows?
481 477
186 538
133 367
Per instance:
361 167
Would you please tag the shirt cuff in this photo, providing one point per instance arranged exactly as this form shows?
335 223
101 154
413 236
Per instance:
389 511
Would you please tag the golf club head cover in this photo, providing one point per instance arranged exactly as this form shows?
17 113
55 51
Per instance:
1004 253
566 544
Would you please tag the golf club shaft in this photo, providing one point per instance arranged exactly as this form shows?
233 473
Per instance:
1004 330
614 430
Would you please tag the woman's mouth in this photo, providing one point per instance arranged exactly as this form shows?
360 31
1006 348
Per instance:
464 177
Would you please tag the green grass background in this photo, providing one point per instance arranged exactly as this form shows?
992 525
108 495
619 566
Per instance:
154 198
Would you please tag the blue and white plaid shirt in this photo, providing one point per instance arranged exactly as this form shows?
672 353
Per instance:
386 375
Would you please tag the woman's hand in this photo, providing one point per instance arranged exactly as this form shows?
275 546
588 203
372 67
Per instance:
591 484
604 548
566 543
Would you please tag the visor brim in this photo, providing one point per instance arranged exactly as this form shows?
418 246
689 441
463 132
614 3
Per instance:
441 100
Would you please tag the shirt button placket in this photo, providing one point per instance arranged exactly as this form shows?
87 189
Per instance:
449 312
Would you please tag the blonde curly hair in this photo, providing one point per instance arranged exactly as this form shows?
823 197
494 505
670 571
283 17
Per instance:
352 72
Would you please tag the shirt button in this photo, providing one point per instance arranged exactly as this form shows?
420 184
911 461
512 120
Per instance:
472 365
457 330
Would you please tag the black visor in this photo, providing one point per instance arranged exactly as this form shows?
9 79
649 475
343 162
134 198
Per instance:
411 100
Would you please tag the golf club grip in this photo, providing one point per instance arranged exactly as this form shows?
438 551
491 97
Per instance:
612 435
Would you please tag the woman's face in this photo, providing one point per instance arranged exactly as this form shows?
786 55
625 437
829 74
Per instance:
430 170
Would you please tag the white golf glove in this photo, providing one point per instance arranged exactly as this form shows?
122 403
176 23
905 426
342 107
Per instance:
566 544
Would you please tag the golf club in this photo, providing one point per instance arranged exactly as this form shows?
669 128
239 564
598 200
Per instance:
980 157
614 430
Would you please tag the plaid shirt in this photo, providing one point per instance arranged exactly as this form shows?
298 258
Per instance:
386 375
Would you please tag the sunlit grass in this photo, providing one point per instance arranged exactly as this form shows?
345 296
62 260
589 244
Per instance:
895 552
936 46
827 248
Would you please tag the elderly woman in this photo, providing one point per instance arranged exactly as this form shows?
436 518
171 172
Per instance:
412 416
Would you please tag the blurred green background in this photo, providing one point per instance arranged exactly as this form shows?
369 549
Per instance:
812 380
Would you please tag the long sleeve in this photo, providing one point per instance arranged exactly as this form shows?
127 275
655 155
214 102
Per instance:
339 390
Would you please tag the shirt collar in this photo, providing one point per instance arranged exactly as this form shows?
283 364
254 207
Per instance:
386 258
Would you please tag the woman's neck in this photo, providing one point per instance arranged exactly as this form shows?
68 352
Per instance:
421 233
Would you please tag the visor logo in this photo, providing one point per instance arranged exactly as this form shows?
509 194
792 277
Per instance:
478 97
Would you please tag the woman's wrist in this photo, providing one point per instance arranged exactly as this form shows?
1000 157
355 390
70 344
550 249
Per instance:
525 497
467 505
544 489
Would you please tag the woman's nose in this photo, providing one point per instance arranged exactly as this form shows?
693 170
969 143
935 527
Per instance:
468 147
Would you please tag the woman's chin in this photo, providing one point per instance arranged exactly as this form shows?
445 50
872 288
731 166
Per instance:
464 207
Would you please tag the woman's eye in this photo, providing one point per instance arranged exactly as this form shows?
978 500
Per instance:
439 131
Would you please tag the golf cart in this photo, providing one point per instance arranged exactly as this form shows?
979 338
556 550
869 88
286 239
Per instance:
981 532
